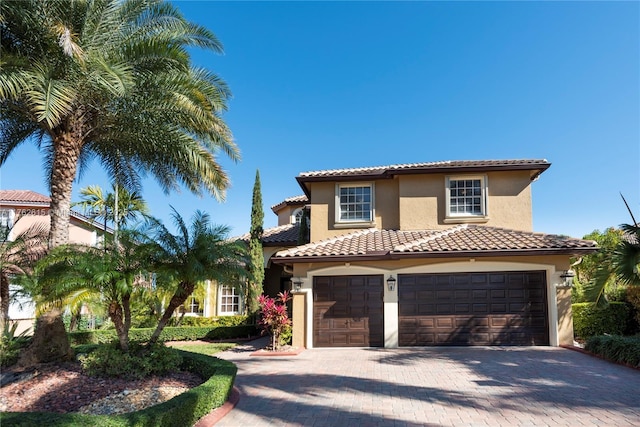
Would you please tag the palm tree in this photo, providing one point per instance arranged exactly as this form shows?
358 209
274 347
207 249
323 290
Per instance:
74 272
111 80
18 255
624 265
100 205
196 253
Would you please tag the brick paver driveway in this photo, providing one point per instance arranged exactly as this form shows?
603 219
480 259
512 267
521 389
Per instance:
433 386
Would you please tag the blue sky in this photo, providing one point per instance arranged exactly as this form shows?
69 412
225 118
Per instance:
324 85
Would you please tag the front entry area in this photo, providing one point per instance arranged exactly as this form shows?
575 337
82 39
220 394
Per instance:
348 311
488 308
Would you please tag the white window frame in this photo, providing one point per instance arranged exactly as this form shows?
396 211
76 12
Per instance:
191 303
484 205
235 294
356 221
9 215
296 216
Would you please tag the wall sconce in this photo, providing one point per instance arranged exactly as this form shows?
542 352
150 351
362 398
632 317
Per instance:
391 283
567 278
297 283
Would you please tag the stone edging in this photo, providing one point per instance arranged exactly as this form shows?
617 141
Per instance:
263 353
217 414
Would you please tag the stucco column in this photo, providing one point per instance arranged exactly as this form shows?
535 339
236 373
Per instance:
390 314
298 319
565 315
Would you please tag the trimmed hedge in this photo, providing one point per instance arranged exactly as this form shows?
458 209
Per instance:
209 321
616 348
183 410
589 320
104 336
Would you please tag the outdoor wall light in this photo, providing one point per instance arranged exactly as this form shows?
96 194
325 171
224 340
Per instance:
391 283
297 284
567 278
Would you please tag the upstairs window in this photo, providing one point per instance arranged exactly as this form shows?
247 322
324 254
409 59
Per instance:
355 203
466 196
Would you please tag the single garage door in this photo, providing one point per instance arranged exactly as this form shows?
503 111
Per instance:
497 308
348 311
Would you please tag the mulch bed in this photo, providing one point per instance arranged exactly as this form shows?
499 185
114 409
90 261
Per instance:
63 387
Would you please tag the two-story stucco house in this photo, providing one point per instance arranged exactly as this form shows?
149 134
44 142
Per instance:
438 253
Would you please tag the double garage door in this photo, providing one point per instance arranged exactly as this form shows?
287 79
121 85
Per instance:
496 308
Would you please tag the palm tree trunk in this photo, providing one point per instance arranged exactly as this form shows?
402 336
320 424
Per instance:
4 301
63 171
126 308
115 314
179 297
67 144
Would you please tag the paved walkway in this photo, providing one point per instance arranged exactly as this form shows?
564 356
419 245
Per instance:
495 386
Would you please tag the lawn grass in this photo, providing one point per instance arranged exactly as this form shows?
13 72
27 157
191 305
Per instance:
204 348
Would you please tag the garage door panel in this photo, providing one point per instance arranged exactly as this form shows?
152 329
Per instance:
462 308
498 293
443 308
517 294
348 311
496 308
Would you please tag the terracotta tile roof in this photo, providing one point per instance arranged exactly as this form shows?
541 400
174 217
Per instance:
462 240
295 200
532 164
283 235
23 196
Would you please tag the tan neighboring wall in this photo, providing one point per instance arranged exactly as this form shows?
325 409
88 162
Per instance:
560 320
79 232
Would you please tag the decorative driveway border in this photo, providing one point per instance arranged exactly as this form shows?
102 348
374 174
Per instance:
450 386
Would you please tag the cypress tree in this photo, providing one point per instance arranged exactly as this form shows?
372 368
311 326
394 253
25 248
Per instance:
256 265
303 231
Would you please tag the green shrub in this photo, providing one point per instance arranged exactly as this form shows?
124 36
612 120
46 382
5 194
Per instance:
616 348
183 410
232 332
141 361
589 320
633 298
11 344
105 336
208 321
286 335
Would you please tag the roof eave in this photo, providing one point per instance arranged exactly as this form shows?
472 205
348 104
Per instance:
440 254
538 169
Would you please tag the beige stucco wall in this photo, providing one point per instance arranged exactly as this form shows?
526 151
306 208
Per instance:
298 319
565 316
558 299
422 201
418 202
285 214
79 232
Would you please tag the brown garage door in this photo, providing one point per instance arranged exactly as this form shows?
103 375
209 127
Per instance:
348 311
498 308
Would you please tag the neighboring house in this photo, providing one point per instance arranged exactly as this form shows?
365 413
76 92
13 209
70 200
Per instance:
33 208
438 253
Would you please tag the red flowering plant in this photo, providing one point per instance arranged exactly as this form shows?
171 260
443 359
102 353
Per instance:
274 319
